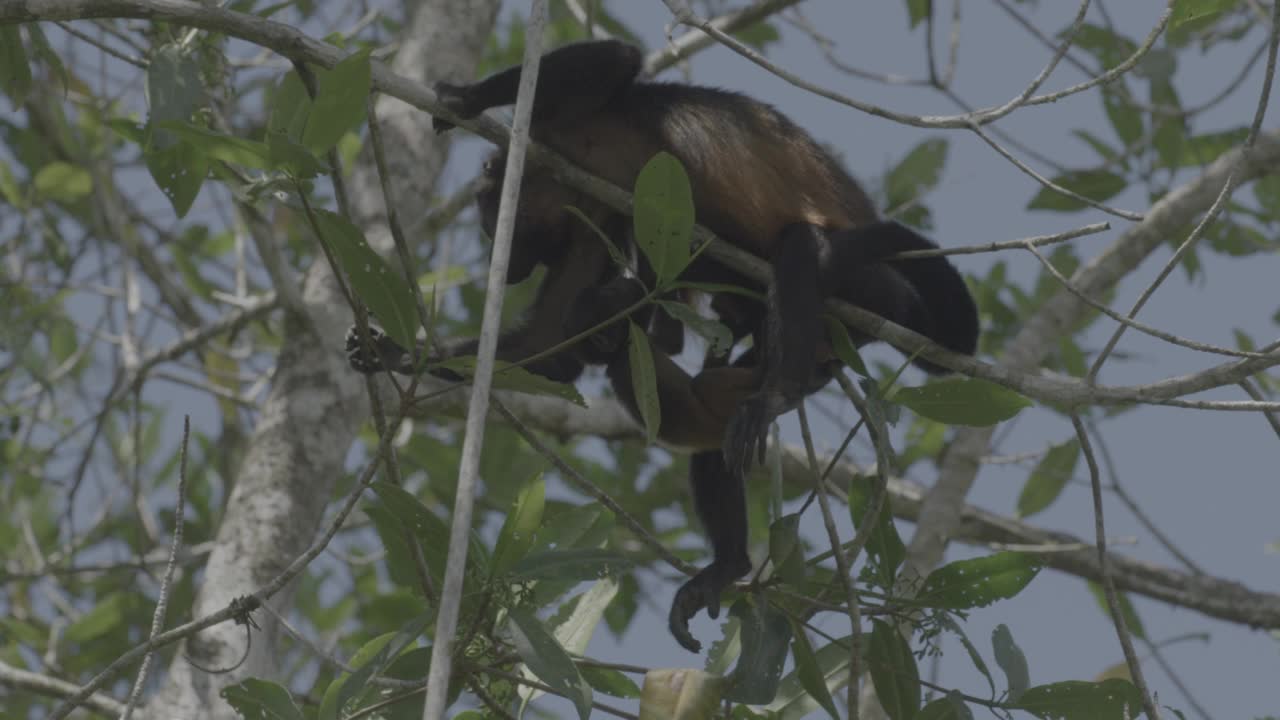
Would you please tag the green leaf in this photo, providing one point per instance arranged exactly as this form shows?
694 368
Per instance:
918 10
179 171
9 188
967 401
570 564
174 89
965 584
1049 478
884 545
218 146
719 339
766 634
610 682
293 158
520 527
261 700
15 70
1112 699
664 215
844 348
948 707
1203 149
893 671
1185 11
376 283
975 657
809 672
1097 185
644 381
1131 619
290 107
1011 660
341 104
105 616
547 660
62 182
918 172
785 551
1125 117
430 530
507 376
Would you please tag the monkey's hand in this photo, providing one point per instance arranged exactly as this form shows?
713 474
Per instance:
592 308
382 353
702 591
455 99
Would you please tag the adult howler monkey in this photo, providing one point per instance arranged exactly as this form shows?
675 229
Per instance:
759 182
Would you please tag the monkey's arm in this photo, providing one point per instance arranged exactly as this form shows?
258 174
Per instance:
573 81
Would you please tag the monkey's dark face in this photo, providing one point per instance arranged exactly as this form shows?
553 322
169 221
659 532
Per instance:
539 236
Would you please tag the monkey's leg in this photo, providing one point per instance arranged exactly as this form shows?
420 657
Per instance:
543 328
720 500
573 81
793 329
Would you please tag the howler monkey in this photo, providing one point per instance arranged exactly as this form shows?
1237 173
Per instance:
759 182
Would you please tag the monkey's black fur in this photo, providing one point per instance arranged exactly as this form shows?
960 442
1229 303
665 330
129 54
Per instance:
759 182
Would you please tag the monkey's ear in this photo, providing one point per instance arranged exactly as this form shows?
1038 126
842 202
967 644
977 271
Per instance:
455 99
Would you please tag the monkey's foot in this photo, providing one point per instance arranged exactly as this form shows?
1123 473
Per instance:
702 591
384 354
747 435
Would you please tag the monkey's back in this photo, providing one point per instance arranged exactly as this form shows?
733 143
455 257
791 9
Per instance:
752 170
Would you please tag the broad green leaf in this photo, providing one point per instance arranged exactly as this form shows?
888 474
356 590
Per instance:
844 348
610 682
664 215
376 283
1126 120
966 584
290 107
218 146
809 672
644 381
1112 699
547 660
1097 185
1011 660
766 634
293 158
967 401
785 551
918 10
179 170
570 564
1202 149
341 103
106 615
174 92
884 545
520 527
352 690
975 657
918 172
62 182
261 700
1049 478
9 188
507 376
1187 10
719 339
15 70
893 671
948 707
1131 619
